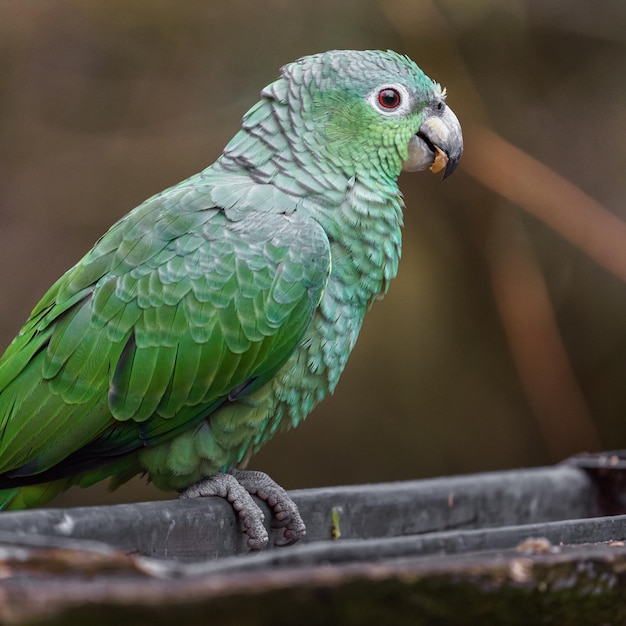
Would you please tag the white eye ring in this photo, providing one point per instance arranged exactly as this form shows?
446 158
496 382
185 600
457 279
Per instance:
376 99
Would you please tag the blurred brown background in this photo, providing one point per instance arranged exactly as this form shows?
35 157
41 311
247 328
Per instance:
502 342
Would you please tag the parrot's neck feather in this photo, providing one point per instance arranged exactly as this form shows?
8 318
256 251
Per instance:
278 162
273 166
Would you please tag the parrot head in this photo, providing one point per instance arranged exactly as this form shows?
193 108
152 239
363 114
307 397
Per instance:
368 110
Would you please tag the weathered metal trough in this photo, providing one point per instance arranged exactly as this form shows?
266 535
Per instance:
533 546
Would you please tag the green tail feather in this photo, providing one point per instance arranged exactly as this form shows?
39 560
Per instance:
32 496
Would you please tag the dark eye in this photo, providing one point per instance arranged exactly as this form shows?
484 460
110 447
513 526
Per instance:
389 98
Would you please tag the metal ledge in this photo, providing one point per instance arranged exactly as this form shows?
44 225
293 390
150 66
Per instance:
410 552
188 530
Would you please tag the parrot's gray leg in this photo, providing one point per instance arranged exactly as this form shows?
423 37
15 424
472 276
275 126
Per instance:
285 510
227 486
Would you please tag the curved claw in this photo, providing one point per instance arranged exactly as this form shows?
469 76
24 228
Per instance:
237 486
286 514
226 486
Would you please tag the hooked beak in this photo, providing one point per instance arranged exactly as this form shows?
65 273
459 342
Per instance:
438 144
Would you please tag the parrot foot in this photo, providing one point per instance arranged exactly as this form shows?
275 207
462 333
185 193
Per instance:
286 514
236 487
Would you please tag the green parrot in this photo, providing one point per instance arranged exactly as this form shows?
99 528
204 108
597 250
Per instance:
224 308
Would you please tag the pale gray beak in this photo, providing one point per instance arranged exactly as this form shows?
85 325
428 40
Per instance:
438 144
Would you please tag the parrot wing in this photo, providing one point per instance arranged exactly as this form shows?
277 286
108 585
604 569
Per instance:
175 310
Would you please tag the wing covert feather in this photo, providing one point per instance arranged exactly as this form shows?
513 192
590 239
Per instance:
160 321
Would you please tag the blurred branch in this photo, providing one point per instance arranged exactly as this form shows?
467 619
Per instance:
554 200
519 287
536 347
